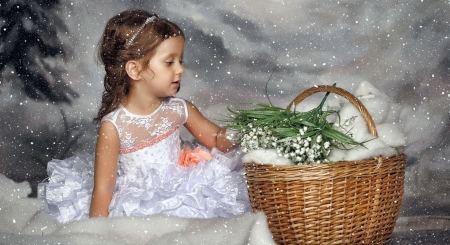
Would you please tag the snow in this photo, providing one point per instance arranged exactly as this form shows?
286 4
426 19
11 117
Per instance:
401 46
263 156
391 139
24 221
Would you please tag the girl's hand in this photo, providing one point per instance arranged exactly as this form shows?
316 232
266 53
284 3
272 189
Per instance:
205 131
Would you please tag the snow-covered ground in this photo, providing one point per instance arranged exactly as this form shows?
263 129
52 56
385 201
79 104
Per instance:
24 221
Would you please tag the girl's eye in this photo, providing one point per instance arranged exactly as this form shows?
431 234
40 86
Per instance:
173 62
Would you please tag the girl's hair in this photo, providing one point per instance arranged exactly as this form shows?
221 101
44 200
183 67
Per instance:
116 47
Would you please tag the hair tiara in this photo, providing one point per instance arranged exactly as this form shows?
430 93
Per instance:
148 20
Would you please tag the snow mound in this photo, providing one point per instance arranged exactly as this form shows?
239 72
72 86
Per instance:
24 221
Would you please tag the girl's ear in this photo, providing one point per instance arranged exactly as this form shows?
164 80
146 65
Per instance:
133 69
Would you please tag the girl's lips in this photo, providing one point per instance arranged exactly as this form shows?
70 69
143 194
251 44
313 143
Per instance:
176 83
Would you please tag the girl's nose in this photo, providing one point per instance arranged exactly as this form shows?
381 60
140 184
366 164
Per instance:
180 69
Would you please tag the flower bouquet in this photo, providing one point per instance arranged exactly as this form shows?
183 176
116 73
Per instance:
301 137
345 201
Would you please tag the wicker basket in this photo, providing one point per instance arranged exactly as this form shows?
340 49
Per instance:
346 202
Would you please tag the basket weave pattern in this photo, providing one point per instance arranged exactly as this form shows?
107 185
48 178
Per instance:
346 202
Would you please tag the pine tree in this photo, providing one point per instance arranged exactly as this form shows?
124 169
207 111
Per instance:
32 48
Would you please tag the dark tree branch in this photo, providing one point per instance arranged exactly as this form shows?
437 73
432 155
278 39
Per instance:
29 38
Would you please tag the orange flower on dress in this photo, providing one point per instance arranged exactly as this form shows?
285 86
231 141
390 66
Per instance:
193 157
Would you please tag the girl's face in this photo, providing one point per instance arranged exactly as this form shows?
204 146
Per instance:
163 74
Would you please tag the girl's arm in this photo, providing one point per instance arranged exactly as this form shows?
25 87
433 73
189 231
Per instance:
105 170
208 133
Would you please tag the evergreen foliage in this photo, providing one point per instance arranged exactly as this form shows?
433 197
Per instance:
32 49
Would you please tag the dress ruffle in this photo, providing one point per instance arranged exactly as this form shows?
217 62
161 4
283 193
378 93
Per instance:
215 188
69 189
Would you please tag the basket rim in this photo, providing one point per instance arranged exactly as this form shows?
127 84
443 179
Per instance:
326 171
330 164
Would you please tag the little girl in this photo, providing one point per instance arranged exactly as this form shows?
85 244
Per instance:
141 165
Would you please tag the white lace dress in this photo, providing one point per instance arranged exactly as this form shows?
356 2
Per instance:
149 179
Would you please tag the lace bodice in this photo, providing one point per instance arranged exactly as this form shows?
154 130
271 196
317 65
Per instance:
150 138
138 130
